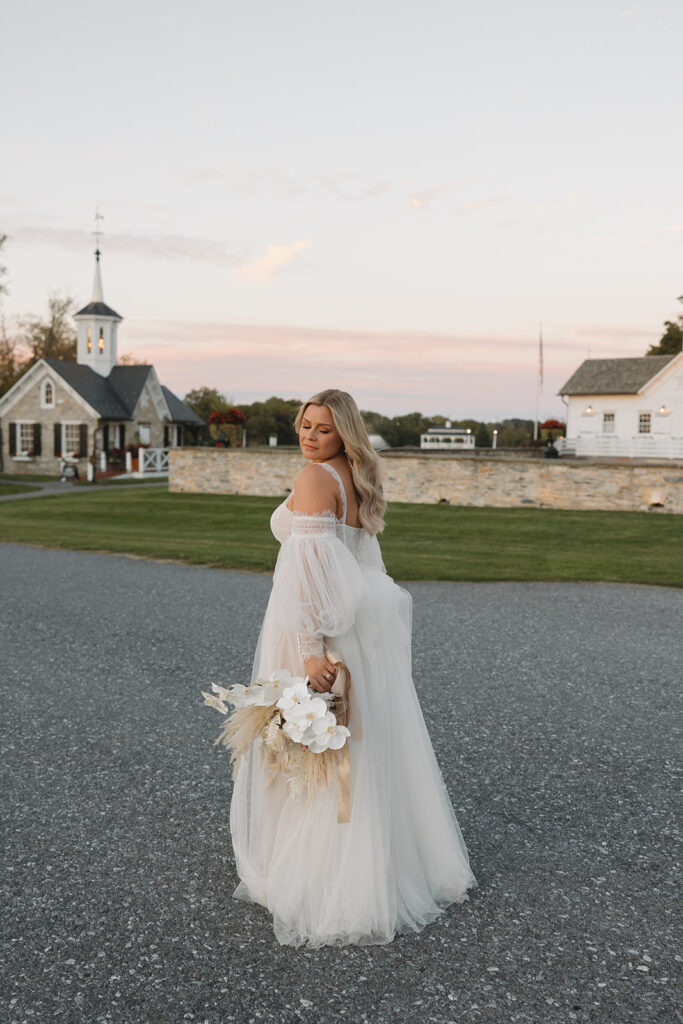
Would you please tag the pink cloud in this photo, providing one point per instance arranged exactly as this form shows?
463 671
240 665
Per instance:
276 256
391 371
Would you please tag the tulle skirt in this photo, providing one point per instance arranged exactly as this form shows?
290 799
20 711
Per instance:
401 859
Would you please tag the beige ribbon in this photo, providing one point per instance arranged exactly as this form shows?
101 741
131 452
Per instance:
343 696
344 787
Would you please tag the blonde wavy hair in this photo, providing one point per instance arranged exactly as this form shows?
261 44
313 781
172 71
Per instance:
366 467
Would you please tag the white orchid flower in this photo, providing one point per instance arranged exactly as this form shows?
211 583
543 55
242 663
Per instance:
297 731
215 702
284 677
256 695
293 695
307 712
222 692
327 735
235 695
278 682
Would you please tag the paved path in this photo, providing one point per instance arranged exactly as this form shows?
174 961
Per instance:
551 709
47 488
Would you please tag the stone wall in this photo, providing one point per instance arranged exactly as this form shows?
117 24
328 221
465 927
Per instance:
455 479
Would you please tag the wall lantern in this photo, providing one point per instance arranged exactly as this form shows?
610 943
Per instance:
589 411
663 411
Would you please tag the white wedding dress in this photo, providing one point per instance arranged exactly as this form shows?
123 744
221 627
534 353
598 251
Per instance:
401 858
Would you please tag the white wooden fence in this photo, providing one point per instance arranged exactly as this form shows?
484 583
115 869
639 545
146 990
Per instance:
152 461
639 447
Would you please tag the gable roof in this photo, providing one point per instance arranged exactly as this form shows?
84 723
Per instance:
127 383
92 387
116 396
614 376
180 413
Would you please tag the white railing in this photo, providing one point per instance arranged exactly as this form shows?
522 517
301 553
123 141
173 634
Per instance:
638 447
152 460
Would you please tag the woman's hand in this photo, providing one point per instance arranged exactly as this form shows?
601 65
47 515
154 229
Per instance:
321 674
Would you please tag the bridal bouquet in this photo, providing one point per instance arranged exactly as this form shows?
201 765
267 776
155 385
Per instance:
304 733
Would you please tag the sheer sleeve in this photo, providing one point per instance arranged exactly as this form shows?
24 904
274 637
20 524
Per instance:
317 583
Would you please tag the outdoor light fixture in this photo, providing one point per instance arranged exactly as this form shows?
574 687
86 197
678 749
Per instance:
663 411
589 411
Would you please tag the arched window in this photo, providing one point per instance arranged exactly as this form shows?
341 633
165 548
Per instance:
90 339
100 343
47 398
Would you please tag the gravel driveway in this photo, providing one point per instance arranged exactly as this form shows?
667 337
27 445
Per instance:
551 709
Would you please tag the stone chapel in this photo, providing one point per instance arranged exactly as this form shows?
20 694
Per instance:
79 410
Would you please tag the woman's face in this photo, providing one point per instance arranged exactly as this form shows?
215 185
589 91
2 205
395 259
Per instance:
318 436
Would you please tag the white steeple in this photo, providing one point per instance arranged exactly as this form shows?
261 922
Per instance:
97 327
97 295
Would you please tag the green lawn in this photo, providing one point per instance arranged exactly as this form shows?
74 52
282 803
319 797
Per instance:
421 541
116 481
14 488
30 478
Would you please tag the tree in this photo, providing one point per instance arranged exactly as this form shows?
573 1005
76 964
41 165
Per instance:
375 422
482 438
204 401
10 364
510 436
3 269
274 416
227 427
671 341
51 337
402 431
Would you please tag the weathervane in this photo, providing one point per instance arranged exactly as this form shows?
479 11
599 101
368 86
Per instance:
98 231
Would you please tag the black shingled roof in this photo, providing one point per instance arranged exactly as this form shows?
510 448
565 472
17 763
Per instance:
98 309
614 376
93 387
115 397
180 413
127 383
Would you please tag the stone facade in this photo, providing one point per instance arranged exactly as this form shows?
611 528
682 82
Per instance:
147 423
505 481
29 409
149 414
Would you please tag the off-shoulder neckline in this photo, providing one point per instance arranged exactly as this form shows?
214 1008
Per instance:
342 488
324 514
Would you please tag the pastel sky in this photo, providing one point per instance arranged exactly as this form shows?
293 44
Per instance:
386 196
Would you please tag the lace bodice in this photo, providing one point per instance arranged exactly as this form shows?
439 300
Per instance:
318 577
365 548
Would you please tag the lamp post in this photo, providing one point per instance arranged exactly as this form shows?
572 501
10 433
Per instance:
495 439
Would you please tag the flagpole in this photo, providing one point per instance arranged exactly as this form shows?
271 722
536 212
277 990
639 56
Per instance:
539 382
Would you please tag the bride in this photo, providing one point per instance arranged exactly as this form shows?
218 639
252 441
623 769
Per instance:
400 859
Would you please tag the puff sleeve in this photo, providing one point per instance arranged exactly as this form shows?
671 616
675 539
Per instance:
317 583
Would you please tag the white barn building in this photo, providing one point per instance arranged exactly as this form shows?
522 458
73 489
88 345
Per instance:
626 407
447 438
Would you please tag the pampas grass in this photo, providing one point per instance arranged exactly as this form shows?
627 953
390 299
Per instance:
304 771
